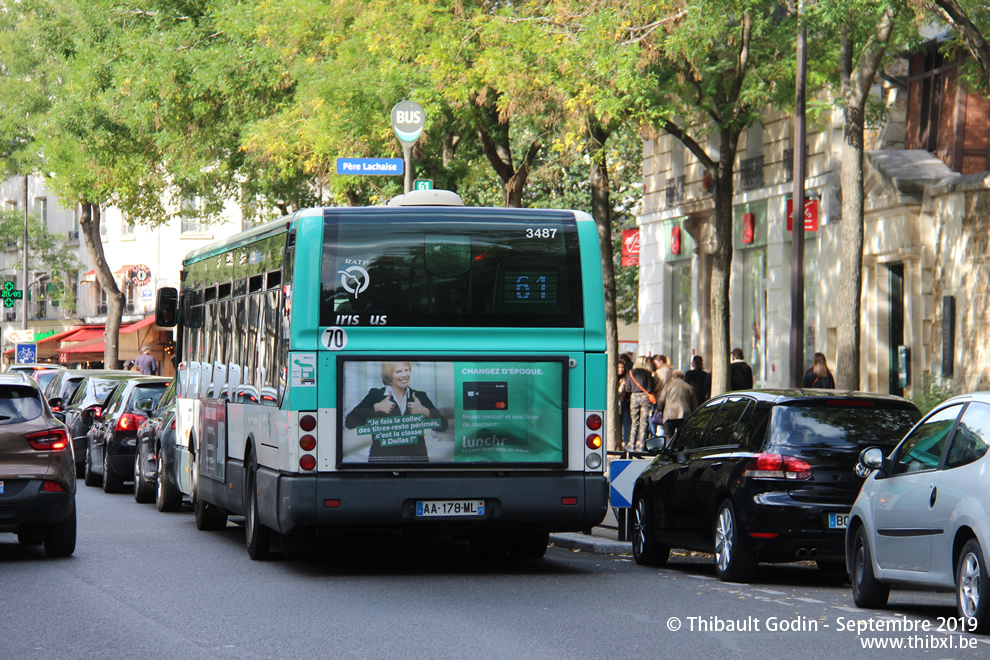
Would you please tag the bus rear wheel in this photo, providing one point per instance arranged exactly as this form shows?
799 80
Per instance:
258 537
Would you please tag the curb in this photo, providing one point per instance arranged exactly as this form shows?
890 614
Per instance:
585 543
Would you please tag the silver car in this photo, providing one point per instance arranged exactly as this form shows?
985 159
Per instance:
922 518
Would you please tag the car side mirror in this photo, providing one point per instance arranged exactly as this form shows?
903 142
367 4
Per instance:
55 402
655 445
870 459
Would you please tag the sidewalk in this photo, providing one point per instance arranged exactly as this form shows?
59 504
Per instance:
602 540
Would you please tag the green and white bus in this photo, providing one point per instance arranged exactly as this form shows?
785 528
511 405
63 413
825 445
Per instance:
421 365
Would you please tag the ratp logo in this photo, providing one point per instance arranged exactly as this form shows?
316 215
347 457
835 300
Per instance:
355 280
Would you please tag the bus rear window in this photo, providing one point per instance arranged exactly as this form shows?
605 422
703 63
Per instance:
454 268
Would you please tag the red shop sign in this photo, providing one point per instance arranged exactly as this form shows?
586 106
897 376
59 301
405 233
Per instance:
675 240
630 247
748 227
810 214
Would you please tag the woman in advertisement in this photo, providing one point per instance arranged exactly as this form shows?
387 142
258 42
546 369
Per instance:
384 409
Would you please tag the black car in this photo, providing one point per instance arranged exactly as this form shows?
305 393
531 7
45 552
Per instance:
113 437
762 476
84 405
154 462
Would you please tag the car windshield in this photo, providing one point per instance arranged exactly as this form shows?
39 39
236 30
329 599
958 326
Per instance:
103 388
19 404
841 425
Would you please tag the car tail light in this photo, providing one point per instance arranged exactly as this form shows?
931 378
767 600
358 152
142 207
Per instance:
594 422
52 487
307 443
97 412
777 466
307 462
51 440
129 422
307 422
594 441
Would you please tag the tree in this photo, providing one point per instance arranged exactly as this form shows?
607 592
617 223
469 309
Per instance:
971 20
717 64
46 252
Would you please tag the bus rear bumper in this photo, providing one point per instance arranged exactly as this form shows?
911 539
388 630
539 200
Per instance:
553 502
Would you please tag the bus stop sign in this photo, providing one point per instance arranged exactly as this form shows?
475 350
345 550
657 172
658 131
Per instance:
408 120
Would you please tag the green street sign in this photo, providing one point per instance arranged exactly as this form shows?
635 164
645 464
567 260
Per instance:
423 184
9 294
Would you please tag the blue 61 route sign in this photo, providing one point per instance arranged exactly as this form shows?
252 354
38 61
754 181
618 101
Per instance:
10 294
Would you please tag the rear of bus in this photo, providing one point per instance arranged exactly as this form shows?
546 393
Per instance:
450 364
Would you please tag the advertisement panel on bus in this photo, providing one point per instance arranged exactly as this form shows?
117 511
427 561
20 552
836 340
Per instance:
463 412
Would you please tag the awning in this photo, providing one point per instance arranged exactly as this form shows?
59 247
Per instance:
88 278
143 323
85 333
89 347
60 335
123 270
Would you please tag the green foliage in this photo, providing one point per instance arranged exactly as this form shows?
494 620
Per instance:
47 252
933 390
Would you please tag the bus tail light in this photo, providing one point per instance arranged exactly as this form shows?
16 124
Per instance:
594 422
594 441
307 443
307 422
307 461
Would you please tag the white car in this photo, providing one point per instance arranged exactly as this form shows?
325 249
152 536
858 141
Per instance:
922 518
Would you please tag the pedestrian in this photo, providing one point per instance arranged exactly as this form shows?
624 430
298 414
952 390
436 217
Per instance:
146 363
741 373
641 400
622 376
699 379
678 401
661 373
819 375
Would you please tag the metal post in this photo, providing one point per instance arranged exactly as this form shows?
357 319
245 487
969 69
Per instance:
407 156
24 300
797 223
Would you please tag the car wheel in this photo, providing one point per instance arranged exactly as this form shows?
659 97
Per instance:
144 490
90 478
111 482
60 538
529 545
973 587
733 562
258 536
167 496
646 550
868 592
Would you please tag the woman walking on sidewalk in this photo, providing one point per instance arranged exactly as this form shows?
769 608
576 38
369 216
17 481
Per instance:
641 400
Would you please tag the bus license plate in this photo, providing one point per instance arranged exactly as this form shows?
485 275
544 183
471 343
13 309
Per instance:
450 508
838 520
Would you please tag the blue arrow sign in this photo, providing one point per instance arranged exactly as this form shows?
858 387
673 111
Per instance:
370 166
622 475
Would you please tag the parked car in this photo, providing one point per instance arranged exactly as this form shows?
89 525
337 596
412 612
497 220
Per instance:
154 462
37 472
766 475
61 388
113 437
45 376
922 519
85 405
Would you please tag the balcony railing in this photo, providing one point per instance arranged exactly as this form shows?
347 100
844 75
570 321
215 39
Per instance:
751 173
674 191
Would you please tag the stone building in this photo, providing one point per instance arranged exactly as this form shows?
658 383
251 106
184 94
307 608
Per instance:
926 238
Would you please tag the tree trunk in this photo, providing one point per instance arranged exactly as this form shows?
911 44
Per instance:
850 306
954 14
856 84
601 211
722 261
89 224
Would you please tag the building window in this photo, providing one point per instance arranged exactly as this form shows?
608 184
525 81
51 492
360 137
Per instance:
191 216
675 191
10 205
126 227
751 173
41 208
788 164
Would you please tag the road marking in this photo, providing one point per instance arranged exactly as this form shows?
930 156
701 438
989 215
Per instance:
771 591
810 600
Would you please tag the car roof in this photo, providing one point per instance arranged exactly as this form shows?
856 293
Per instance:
812 396
17 378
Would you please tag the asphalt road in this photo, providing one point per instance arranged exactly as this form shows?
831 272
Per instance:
146 584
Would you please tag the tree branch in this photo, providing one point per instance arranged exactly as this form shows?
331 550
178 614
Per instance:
692 145
953 14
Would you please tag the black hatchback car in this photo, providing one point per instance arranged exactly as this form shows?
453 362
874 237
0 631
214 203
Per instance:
764 475
85 405
112 440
